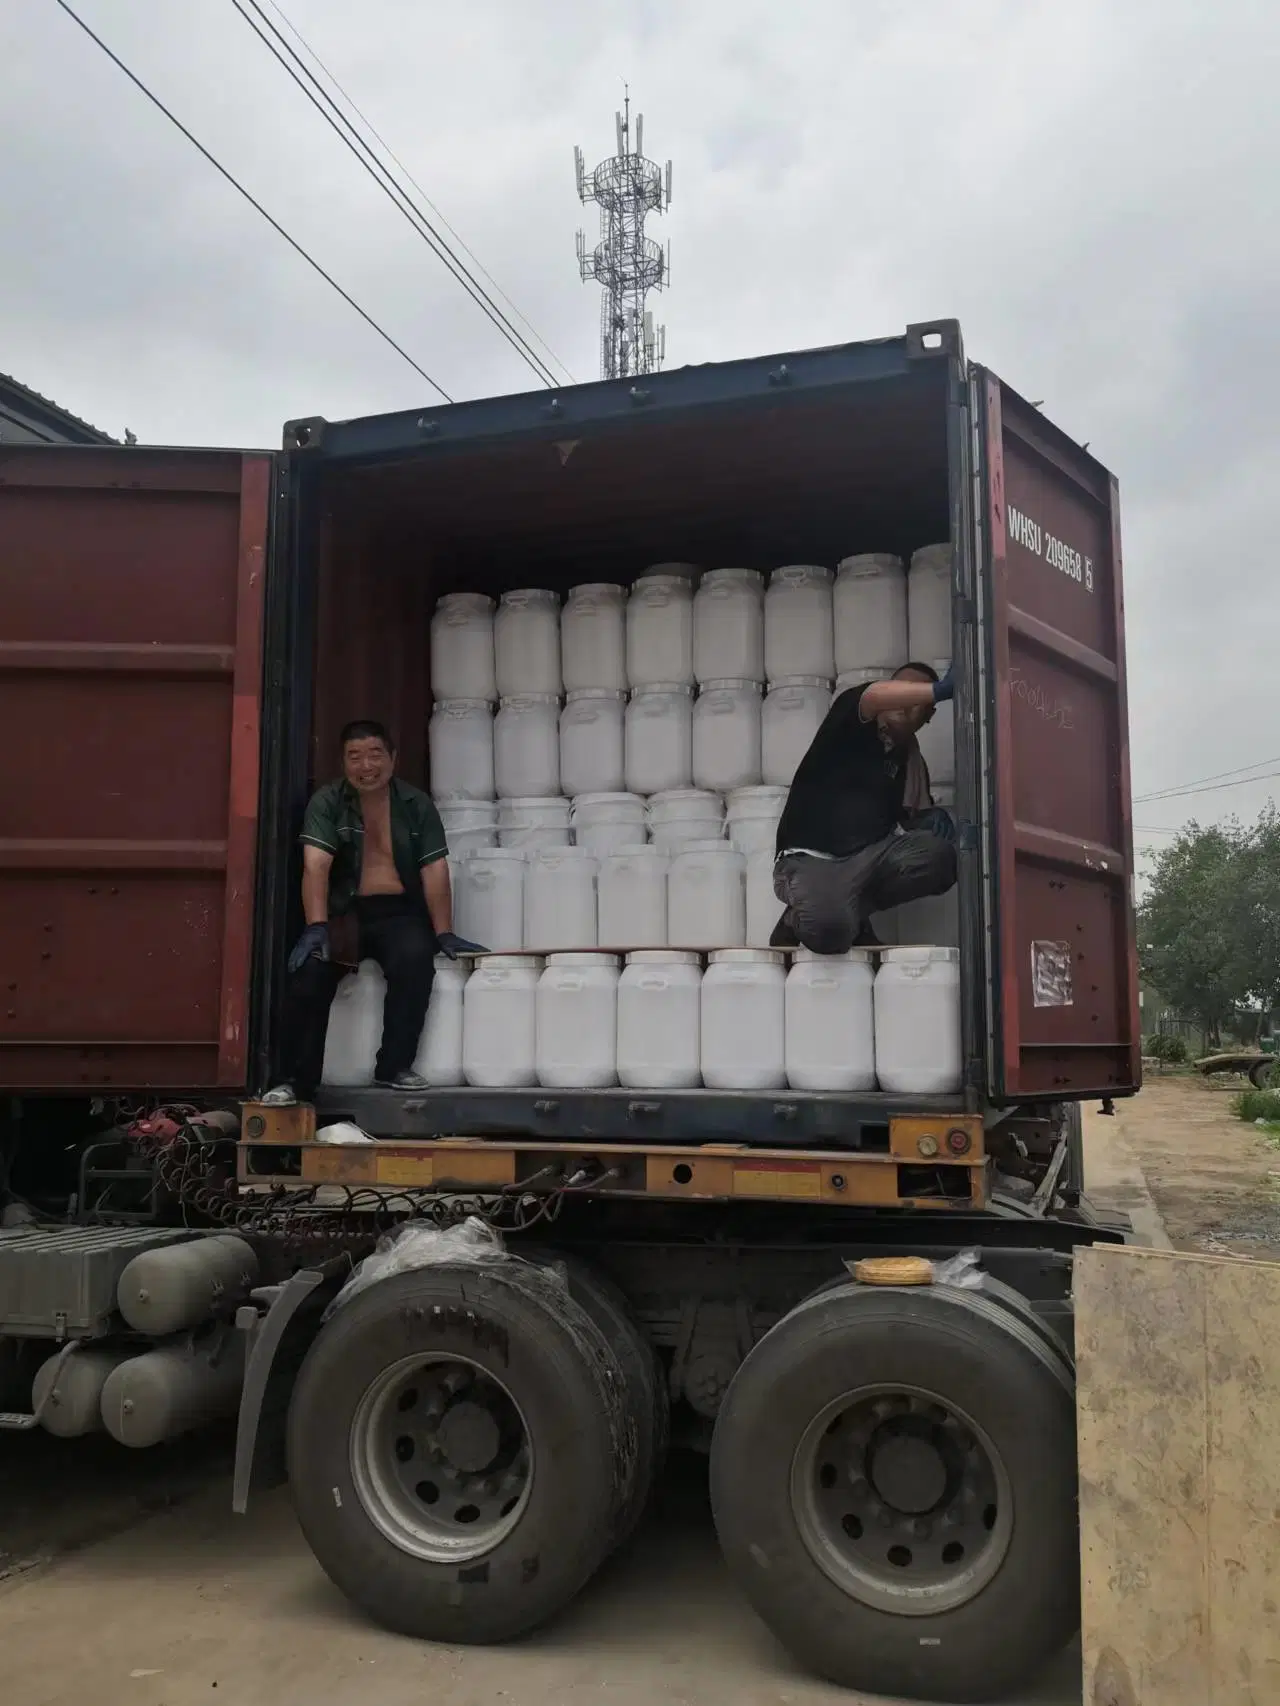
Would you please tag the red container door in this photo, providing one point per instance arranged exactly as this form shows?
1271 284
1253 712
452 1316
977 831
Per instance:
131 601
1059 844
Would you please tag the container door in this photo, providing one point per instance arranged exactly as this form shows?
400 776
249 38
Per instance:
131 603
1057 860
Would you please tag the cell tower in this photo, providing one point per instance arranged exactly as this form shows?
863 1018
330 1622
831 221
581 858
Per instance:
626 263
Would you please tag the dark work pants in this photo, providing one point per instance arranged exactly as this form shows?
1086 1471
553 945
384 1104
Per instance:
828 901
400 938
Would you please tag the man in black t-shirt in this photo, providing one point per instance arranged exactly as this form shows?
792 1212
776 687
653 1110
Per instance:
847 843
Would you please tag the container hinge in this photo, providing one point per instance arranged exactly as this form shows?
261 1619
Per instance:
930 339
966 610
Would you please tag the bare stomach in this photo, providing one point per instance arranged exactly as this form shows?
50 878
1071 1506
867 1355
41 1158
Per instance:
379 876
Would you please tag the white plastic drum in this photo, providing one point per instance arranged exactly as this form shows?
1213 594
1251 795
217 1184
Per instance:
460 739
632 896
793 713
602 822
728 626
560 899
526 643
439 1057
743 1006
830 1029
462 647
591 741
683 815
539 820
706 896
764 909
526 746
798 623
917 1008
859 678
937 739
660 630
489 898
659 738
751 816
355 1029
577 1022
870 610
659 1021
726 735
499 1022
468 824
593 638
929 603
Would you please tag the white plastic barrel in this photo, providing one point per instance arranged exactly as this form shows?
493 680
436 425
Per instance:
526 746
560 899
602 822
917 1010
468 824
659 738
751 816
798 623
660 629
681 815
793 713
706 896
726 735
593 637
577 1022
499 1022
929 603
355 1028
439 1057
660 1021
460 739
870 610
538 820
591 741
488 898
859 678
526 643
937 738
830 1025
764 909
462 647
632 896
743 1007
728 626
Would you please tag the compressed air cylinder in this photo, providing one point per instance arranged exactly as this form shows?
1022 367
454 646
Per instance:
75 1403
173 1389
182 1285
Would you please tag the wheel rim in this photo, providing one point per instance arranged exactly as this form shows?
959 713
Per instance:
902 1500
441 1458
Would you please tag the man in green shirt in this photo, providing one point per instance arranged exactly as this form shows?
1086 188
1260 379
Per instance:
375 885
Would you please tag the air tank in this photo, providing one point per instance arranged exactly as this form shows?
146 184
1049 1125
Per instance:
173 1389
74 1404
182 1285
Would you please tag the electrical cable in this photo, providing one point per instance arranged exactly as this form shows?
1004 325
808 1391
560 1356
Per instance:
1212 788
256 205
351 139
1217 776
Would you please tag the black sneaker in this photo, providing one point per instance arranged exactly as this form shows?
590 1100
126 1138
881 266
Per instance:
408 1082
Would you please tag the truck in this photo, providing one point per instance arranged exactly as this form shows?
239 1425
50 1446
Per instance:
858 1304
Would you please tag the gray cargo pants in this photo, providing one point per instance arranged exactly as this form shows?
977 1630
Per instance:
828 901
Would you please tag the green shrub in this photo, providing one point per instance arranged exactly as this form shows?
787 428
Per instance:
1166 1046
1254 1105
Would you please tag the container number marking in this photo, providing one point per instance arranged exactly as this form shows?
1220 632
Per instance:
1028 533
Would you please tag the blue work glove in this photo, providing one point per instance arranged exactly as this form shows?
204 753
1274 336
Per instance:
946 688
314 940
451 946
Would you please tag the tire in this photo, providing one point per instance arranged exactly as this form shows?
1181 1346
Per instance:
510 1330
1012 1600
648 1403
1263 1075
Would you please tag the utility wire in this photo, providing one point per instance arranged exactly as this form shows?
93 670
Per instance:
256 205
1217 776
386 147
351 139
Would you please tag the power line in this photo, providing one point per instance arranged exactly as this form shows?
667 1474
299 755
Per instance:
256 205
1217 776
1212 788
351 139
391 154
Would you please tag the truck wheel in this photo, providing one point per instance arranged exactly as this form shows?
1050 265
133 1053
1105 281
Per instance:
893 1479
458 1451
648 1402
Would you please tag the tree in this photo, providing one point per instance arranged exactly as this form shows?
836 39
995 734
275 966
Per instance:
1254 970
1189 926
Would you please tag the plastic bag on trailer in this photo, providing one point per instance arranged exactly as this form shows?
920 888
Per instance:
964 1269
343 1132
417 1245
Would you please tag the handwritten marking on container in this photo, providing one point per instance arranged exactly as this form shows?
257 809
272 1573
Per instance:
1051 974
1032 694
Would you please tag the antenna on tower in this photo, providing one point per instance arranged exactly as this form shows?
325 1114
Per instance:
626 263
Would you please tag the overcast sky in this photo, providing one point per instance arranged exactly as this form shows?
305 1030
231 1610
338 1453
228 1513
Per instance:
1088 186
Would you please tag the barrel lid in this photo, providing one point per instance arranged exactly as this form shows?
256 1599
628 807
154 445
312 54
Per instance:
460 802
921 956
509 962
718 845
495 853
728 681
528 699
607 799
634 849
663 957
582 958
552 853
533 802
662 687
799 681
778 577
860 677
671 571
870 563
593 693
457 699
748 577
746 957
760 794
932 556
594 588
683 796
466 600
858 956
445 964
527 594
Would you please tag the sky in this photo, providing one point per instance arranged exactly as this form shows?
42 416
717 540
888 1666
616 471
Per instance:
1090 188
